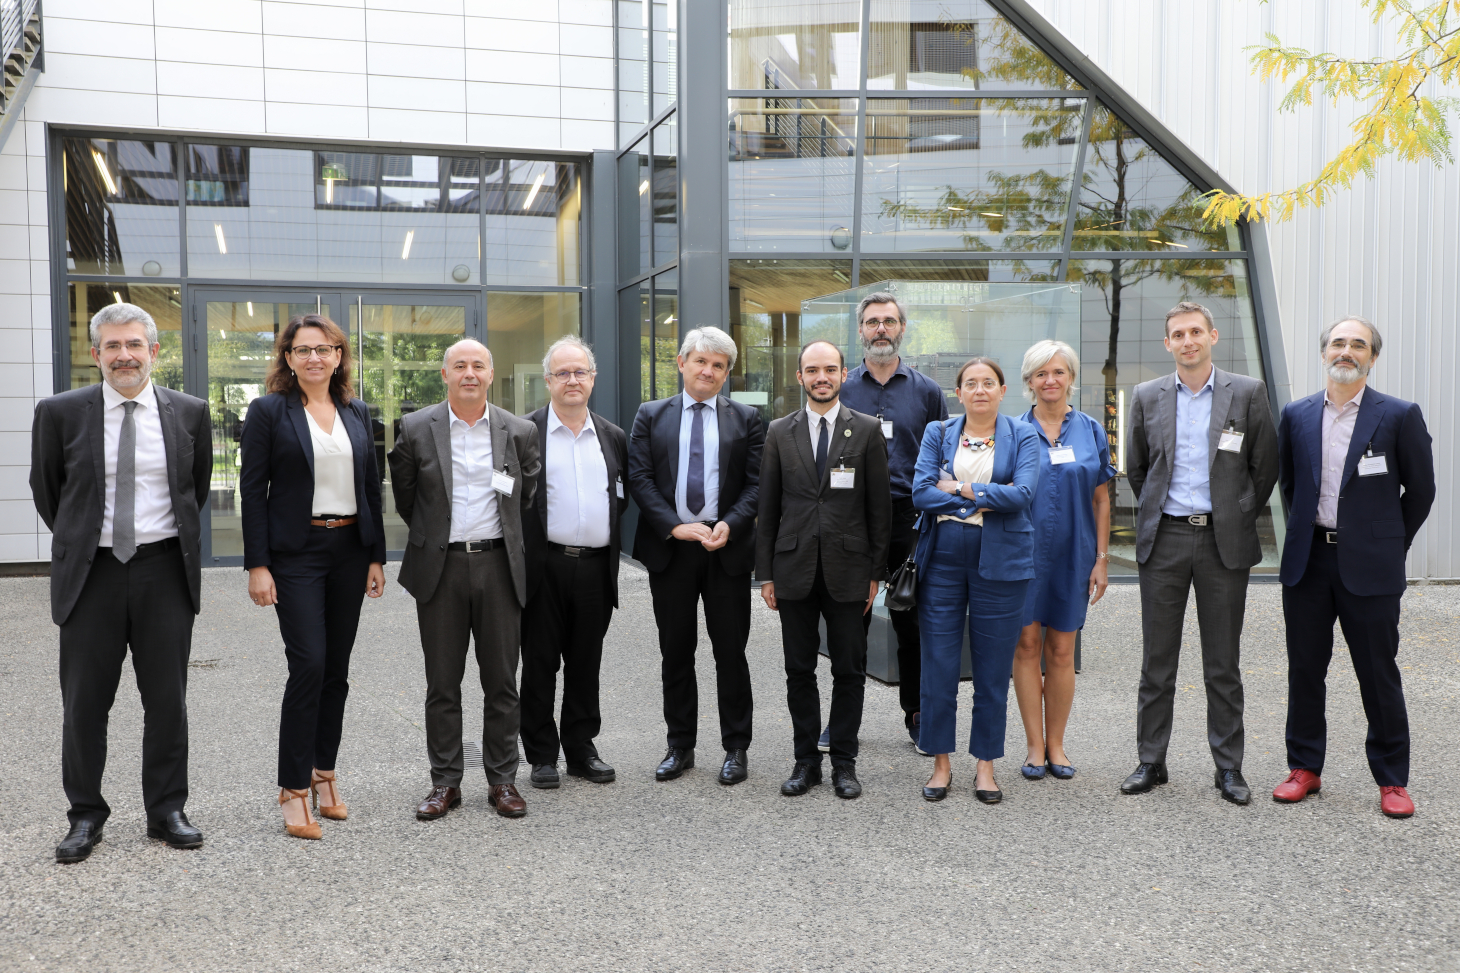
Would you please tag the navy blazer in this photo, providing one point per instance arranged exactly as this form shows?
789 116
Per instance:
1007 550
1378 516
276 482
654 471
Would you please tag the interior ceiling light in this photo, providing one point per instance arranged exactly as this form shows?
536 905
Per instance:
999 215
118 296
250 308
405 250
106 176
1170 244
643 187
959 209
537 184
218 232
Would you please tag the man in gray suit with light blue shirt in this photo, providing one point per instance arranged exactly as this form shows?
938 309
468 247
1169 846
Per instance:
1202 459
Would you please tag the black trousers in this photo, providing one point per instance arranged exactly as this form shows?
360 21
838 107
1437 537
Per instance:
564 624
695 574
321 587
904 623
1371 627
846 641
145 605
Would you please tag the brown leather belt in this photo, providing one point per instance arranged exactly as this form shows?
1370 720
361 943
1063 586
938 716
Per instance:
334 522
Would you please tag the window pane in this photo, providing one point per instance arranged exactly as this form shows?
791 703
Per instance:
636 317
162 301
121 207
1132 199
957 44
791 173
968 173
974 270
666 53
291 214
520 326
633 67
666 334
634 230
804 44
534 213
765 321
1122 319
666 192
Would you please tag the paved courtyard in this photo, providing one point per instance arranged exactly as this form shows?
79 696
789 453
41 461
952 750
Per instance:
692 876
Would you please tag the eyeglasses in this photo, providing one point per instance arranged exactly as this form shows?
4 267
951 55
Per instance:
305 352
973 384
578 376
875 323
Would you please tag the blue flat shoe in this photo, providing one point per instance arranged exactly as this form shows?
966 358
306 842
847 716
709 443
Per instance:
1058 771
1032 771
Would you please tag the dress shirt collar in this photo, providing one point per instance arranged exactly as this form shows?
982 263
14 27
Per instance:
457 420
554 423
147 398
1355 401
903 369
1210 383
689 400
832 415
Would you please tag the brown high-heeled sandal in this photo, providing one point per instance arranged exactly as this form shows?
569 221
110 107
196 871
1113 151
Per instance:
310 828
327 796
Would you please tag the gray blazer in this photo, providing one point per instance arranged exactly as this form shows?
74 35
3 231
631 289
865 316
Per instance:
1241 483
68 480
420 470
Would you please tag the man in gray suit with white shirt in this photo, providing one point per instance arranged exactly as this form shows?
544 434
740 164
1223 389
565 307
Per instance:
464 473
1202 459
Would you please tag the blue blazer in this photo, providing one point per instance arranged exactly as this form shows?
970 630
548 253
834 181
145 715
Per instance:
1007 551
276 483
1378 516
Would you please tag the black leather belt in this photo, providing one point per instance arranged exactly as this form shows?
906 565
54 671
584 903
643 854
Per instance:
144 550
1323 535
577 551
476 547
1195 520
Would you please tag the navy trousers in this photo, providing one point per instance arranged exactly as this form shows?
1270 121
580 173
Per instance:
947 590
1371 628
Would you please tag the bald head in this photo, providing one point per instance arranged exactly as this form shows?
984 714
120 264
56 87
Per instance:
466 368
466 346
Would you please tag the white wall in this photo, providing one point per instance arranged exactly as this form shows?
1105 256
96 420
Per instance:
1389 249
492 73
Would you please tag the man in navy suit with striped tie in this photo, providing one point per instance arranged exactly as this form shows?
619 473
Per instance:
1357 472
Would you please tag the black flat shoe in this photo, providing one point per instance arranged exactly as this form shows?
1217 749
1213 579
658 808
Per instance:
1233 787
593 770
676 761
989 797
78 843
176 831
937 793
844 782
805 775
544 776
1143 778
736 767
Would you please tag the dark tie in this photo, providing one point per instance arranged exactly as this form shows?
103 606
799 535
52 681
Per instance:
124 516
694 487
821 450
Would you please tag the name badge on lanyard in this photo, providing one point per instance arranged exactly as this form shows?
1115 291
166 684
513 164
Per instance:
1372 463
503 483
843 478
1231 441
886 428
1059 455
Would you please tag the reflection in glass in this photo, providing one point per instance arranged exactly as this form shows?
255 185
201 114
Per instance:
765 321
635 229
217 175
968 173
121 207
666 192
534 213
162 301
633 67
240 341
1123 312
636 311
976 270
795 45
666 334
954 44
791 173
1133 199
520 326
666 53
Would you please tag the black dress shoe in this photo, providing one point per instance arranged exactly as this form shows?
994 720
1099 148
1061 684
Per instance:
735 768
676 761
988 797
593 770
805 775
176 831
844 781
937 793
1143 778
1233 787
77 845
544 776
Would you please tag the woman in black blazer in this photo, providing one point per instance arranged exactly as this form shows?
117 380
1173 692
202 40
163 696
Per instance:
313 545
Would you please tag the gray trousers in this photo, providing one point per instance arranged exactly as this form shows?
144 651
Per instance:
1184 554
475 600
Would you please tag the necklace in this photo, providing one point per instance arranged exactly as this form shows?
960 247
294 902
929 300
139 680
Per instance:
978 445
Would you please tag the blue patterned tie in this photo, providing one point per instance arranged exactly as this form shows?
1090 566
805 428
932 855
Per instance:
694 488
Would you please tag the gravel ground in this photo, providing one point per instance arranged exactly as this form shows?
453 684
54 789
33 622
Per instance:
692 876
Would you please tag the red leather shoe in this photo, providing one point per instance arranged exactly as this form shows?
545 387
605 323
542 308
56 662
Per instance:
1300 784
1395 802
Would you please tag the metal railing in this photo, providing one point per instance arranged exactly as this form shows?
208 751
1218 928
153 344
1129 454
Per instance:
15 15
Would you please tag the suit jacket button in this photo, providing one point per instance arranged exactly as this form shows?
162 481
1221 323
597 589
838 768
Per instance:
443 547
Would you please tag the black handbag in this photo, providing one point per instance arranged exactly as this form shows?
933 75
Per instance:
902 587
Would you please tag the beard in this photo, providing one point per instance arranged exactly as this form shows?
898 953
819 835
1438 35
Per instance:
136 379
822 393
881 352
1345 371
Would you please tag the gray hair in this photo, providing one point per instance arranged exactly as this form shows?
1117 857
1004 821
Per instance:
1187 307
881 297
1375 343
446 355
568 341
1041 353
121 314
711 340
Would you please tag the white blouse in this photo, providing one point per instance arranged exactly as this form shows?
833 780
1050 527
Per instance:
972 466
334 469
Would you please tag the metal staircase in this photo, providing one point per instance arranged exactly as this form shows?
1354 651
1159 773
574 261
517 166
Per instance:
20 45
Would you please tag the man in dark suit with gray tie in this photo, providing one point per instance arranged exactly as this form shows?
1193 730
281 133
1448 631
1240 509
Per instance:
694 466
1358 475
119 472
825 522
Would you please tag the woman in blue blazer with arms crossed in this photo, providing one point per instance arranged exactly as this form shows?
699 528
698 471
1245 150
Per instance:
975 480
